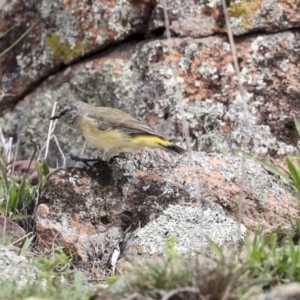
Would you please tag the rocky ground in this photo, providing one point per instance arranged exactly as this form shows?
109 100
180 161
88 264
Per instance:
116 54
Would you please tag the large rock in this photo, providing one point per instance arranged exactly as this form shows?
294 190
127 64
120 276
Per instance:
10 232
61 32
64 32
89 213
138 78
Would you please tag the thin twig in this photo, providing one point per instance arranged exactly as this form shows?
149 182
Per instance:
60 151
22 238
81 152
19 39
50 130
3 94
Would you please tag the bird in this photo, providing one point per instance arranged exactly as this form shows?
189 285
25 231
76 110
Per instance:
111 130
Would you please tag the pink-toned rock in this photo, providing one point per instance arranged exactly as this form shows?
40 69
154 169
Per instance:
61 32
88 213
64 32
11 232
195 19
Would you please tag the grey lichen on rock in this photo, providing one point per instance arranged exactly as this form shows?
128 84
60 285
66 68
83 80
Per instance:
138 78
157 192
16 269
189 225
64 32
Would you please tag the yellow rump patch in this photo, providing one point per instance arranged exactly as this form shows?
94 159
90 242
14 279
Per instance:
150 139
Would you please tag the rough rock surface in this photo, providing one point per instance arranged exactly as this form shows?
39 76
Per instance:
13 232
60 32
189 225
16 268
89 212
282 292
64 31
202 18
138 78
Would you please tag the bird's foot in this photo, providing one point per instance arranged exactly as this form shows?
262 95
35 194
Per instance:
114 158
87 160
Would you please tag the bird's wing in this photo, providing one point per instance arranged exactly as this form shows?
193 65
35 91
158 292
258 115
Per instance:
110 118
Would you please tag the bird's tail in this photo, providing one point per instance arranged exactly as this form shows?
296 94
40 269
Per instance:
154 141
174 148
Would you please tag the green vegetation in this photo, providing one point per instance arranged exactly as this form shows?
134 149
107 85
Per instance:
293 177
64 50
55 281
265 264
76 290
17 195
244 8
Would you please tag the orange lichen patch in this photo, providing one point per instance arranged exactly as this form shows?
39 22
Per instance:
148 178
172 58
50 234
117 69
225 128
43 210
207 72
86 228
56 178
54 210
252 217
112 35
68 4
84 180
81 189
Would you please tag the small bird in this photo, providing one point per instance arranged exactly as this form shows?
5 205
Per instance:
111 130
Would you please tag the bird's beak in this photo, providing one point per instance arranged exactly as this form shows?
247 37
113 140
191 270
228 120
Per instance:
54 118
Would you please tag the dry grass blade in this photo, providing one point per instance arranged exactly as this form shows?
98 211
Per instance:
245 113
191 165
22 238
51 135
10 187
180 290
19 39
50 130
60 150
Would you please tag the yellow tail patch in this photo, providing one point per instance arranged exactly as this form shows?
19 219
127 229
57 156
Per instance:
155 141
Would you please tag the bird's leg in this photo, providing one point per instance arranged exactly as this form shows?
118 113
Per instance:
86 160
114 158
96 160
